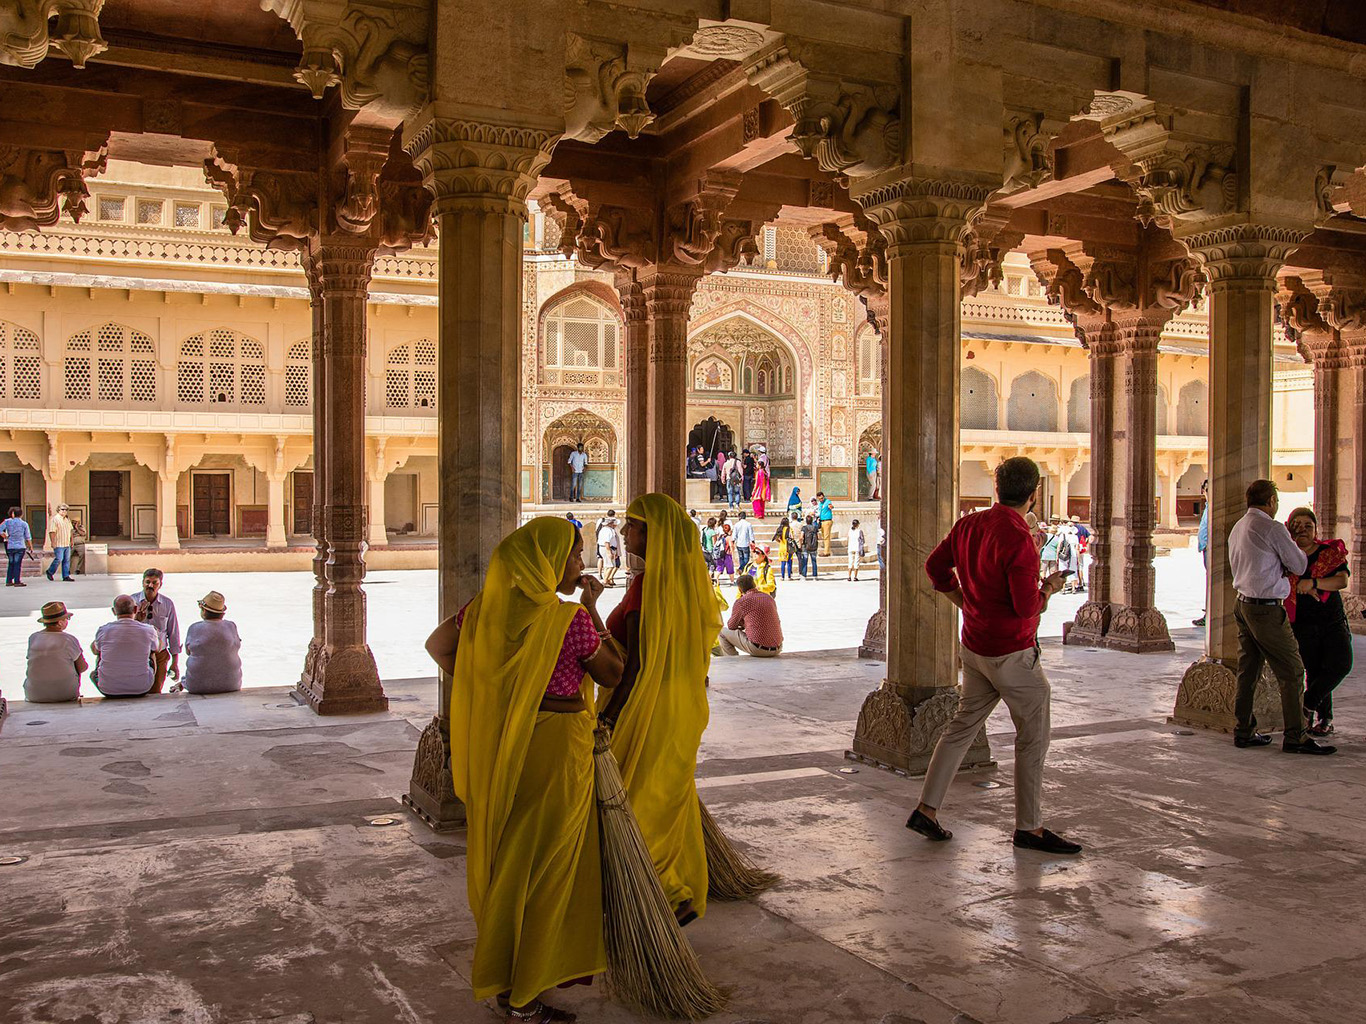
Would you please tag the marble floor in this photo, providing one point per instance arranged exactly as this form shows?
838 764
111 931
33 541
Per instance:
210 859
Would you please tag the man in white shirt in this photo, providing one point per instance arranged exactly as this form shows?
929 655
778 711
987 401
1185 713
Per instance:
130 656
744 540
608 546
1261 553
577 461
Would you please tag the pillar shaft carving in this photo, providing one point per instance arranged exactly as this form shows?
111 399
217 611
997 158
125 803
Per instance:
923 223
637 381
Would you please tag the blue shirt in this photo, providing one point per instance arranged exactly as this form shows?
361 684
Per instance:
17 534
1202 538
827 512
871 464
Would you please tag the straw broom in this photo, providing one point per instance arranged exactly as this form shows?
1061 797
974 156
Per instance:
730 874
651 967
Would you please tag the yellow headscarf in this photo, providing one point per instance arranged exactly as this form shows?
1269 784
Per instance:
658 733
510 639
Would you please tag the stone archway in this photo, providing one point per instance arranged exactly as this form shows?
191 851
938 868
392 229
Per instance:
869 441
600 443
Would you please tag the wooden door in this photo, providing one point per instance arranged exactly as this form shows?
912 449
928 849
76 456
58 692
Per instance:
303 503
211 515
106 503
9 492
559 473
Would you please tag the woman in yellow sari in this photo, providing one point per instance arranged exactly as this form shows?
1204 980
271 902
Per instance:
667 623
522 761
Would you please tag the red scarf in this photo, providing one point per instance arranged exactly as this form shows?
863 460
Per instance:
1332 556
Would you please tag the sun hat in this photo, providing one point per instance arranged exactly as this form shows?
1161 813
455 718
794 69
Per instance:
63 507
213 602
1076 519
53 611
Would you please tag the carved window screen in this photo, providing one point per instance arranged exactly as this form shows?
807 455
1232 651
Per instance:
110 208
1079 406
979 408
149 211
221 367
1192 410
410 376
1033 404
298 374
21 364
187 215
110 363
580 335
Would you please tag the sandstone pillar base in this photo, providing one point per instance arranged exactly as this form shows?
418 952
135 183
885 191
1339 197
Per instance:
431 791
1137 630
895 735
1206 694
874 646
343 681
1089 627
1353 606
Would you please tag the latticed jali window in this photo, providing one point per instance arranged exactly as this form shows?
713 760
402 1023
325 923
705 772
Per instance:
298 373
410 376
110 363
21 364
221 367
581 339
869 350
978 400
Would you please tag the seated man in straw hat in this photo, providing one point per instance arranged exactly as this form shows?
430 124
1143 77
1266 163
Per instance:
55 660
212 664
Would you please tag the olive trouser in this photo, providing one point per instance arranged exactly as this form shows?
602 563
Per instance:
1265 637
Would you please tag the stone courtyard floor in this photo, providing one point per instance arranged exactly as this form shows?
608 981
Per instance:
210 859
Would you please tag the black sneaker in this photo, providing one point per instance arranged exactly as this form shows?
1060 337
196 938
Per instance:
48 574
1307 747
1049 842
928 827
1198 622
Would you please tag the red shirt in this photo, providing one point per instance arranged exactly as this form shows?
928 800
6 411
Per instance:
991 556
757 614
630 602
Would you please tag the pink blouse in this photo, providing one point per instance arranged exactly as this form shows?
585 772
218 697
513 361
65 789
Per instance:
581 642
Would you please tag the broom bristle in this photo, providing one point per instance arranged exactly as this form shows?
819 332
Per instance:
651 966
730 874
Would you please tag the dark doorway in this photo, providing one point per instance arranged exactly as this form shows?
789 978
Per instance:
303 503
210 505
9 492
559 473
107 491
712 435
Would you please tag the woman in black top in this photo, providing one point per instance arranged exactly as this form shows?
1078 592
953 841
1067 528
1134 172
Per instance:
1316 614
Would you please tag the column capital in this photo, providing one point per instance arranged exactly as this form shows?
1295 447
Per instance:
469 161
340 265
1243 255
918 210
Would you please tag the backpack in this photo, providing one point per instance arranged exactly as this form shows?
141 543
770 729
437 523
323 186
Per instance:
733 473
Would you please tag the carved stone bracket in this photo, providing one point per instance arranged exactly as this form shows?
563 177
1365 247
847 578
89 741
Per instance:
1028 159
604 88
985 245
278 208
431 789
25 36
38 185
856 257
893 734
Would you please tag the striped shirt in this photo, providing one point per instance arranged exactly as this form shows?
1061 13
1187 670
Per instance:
61 529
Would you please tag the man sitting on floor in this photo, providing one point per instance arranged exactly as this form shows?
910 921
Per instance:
130 656
753 627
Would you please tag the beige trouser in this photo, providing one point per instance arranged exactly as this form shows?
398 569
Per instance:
826 526
608 563
1017 679
732 641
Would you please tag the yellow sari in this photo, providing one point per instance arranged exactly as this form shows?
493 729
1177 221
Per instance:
657 735
526 777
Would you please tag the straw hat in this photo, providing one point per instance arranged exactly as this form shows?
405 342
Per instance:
1076 519
53 611
213 602
63 507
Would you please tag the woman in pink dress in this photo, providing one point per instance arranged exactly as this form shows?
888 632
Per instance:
763 486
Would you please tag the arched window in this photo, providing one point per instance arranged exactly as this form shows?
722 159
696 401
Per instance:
1163 404
1033 404
978 404
21 364
221 367
299 375
1079 406
580 336
869 352
410 376
110 363
1192 410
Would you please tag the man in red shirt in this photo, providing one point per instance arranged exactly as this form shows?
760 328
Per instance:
989 567
753 626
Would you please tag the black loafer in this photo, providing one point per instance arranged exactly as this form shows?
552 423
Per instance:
1258 739
1049 842
1307 747
928 827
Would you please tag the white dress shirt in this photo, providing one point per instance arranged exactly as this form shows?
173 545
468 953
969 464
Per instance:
1260 551
744 533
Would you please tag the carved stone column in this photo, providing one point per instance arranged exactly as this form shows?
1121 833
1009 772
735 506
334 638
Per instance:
480 174
1344 309
1356 394
345 679
874 644
1240 263
668 298
637 384
1136 625
923 223
320 546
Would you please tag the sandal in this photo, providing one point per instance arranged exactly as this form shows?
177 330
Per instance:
536 1012
1323 727
685 914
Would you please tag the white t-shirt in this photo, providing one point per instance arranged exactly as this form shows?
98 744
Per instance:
607 536
212 662
577 460
52 674
126 647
